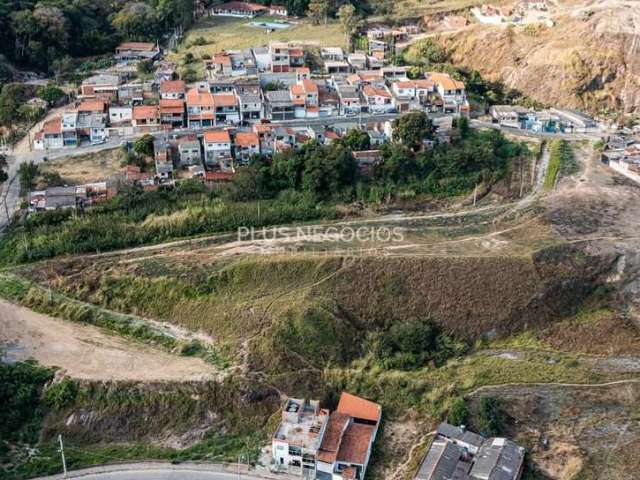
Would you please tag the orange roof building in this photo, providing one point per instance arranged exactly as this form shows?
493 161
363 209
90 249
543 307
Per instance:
145 114
224 100
359 408
171 105
445 82
92 106
136 47
217 136
246 140
341 444
176 87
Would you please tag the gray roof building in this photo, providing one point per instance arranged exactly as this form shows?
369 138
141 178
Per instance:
457 454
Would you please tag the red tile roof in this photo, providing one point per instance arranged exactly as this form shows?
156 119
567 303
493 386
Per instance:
355 443
217 136
53 126
172 86
246 139
330 445
224 100
359 407
142 112
92 106
309 86
445 80
195 97
171 105
222 59
137 46
371 91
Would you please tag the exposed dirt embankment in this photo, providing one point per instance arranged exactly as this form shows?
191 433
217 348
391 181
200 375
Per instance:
169 414
589 60
471 297
279 314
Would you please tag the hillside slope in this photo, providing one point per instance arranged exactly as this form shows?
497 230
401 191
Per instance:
589 60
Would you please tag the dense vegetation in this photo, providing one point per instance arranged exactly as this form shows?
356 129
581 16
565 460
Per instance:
407 168
45 34
21 386
136 217
295 186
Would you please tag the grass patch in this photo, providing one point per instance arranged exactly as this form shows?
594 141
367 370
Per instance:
228 33
562 162
136 218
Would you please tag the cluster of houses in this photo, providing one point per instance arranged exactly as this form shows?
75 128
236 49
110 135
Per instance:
315 444
522 12
75 197
253 101
244 87
553 120
622 154
456 453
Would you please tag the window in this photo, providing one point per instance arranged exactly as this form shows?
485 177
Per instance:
295 451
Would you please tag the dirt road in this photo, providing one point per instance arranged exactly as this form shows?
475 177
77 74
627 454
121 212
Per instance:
87 352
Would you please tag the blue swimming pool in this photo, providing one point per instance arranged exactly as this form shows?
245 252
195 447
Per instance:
271 25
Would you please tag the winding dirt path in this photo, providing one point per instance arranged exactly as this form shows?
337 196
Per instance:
87 352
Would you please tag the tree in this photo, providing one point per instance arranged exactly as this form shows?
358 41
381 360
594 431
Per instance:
349 21
50 93
3 169
398 165
491 418
136 20
458 413
356 140
317 11
27 173
328 171
145 67
144 145
412 128
462 125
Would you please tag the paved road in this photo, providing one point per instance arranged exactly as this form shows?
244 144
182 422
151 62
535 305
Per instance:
167 471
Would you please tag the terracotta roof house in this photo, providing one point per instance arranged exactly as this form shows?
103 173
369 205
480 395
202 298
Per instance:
217 148
452 92
238 9
137 51
145 115
172 111
314 446
200 109
245 145
172 89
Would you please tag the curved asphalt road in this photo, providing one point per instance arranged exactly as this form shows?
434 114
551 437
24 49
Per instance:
168 471
166 475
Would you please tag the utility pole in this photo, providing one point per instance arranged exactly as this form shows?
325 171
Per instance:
64 462
239 478
475 194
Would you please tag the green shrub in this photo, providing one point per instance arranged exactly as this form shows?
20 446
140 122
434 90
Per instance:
459 413
61 394
491 417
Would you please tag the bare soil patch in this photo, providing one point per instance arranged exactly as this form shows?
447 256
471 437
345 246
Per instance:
86 352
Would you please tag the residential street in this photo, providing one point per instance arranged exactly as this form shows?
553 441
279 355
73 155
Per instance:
10 190
168 471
